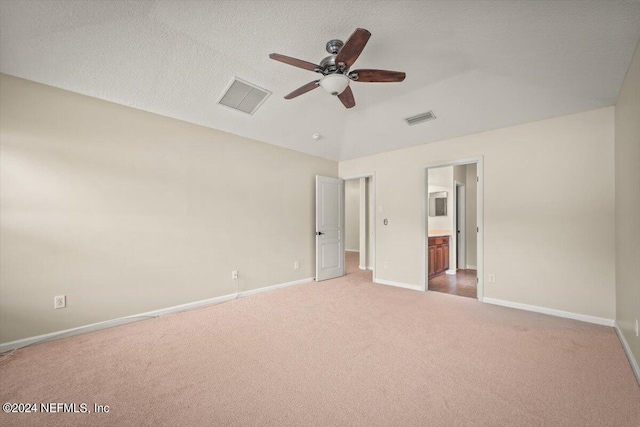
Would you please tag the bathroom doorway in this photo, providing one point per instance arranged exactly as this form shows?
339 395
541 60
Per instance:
452 228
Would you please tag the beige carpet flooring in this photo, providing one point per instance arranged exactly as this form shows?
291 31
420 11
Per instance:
344 352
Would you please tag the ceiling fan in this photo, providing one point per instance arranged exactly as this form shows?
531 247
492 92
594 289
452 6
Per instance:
335 69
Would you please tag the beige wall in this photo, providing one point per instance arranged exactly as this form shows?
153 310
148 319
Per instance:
352 215
126 211
441 179
627 161
460 173
548 210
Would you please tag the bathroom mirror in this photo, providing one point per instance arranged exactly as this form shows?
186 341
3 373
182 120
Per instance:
438 203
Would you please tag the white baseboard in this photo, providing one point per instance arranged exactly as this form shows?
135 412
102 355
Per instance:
137 317
111 323
352 250
362 267
451 272
472 267
274 287
397 284
552 312
627 350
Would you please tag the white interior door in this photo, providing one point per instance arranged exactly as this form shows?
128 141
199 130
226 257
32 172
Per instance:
329 228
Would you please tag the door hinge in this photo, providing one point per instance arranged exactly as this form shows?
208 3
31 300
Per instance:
477 179
477 229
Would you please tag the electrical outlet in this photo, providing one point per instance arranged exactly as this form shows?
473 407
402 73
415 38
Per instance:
234 274
386 264
60 301
492 277
637 329
296 265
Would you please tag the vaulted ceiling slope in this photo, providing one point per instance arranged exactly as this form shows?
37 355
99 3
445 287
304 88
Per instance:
479 65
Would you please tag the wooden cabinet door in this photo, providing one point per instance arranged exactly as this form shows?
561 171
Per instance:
432 260
438 255
445 257
439 259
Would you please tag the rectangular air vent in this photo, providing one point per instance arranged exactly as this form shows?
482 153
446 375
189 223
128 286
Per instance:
244 96
424 117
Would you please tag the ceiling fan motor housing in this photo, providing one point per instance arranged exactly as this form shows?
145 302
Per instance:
334 46
328 64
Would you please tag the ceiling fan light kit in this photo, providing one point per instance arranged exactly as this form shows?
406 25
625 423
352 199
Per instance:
334 84
335 69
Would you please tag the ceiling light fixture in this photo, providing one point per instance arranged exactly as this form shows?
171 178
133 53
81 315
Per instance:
336 69
316 136
335 84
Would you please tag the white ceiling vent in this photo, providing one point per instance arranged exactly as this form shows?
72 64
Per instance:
424 117
244 96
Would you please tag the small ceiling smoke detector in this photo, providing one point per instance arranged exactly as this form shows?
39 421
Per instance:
316 136
419 118
243 96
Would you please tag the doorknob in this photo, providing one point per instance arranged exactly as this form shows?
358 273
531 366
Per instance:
319 233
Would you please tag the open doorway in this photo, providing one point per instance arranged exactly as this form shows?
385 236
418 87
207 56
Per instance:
359 226
452 228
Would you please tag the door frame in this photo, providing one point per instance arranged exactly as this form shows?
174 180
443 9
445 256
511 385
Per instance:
373 207
460 210
479 161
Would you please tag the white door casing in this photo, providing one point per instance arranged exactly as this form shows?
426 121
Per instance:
362 233
461 229
329 228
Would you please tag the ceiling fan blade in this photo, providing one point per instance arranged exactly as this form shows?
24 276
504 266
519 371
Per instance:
295 62
378 76
353 47
303 89
347 99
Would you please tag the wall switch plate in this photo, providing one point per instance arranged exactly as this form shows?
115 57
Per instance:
492 277
234 274
60 301
296 265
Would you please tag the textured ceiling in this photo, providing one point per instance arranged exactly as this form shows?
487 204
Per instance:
478 65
